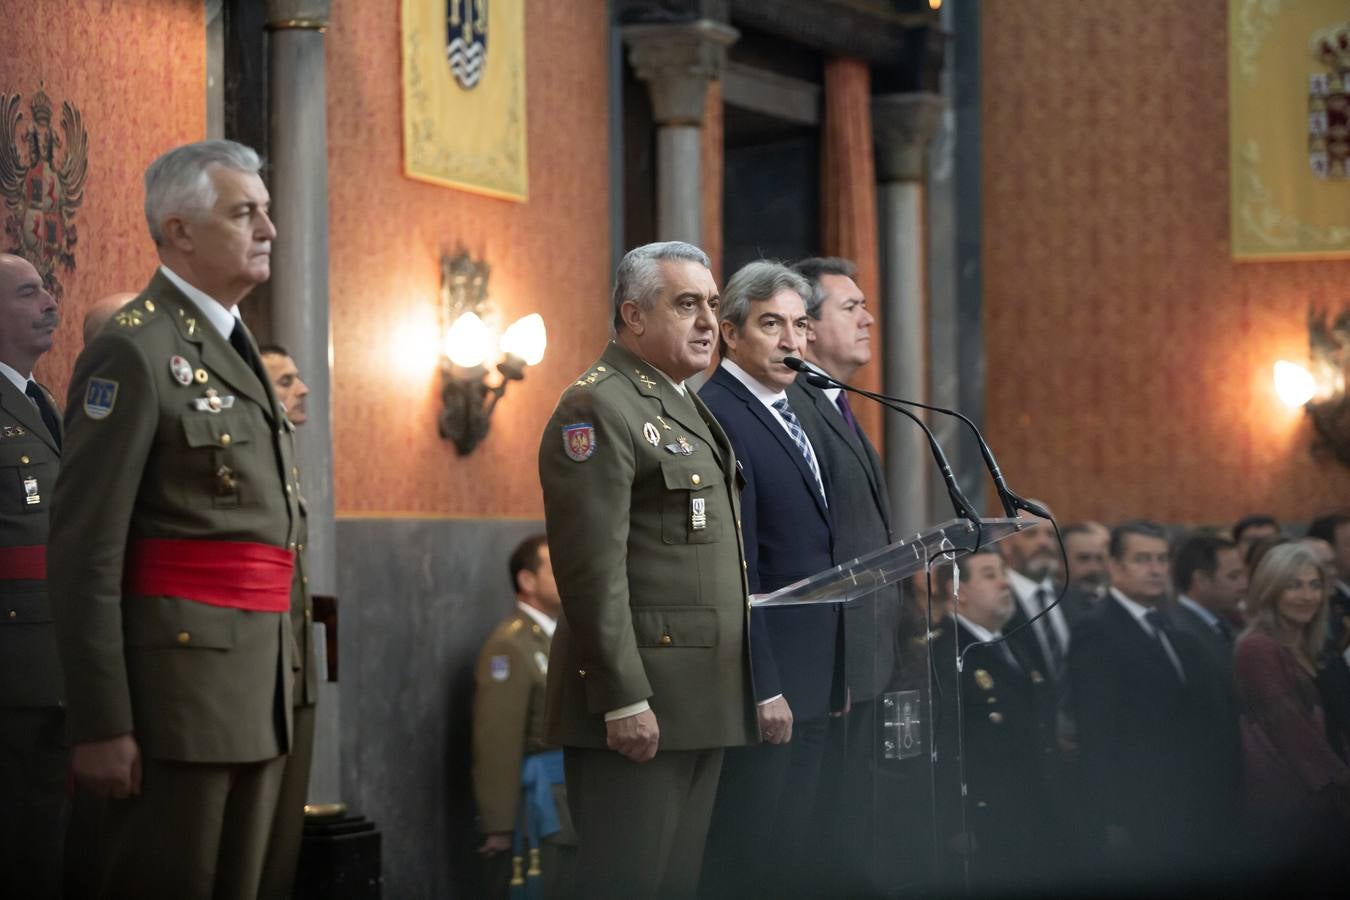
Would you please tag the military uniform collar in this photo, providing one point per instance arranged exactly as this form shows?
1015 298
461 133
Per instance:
20 381
545 622
215 312
649 380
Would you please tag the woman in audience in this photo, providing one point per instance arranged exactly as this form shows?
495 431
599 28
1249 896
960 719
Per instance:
1297 788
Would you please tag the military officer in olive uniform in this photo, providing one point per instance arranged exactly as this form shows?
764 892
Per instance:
173 545
288 825
32 722
649 673
517 776
1007 737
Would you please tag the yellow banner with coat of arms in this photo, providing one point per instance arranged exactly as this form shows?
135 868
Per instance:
1289 144
464 94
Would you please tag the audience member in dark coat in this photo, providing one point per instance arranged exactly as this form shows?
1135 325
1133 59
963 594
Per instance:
1211 582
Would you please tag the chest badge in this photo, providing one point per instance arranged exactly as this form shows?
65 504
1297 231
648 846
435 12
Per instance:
698 513
683 447
181 370
541 660
31 497
11 431
650 433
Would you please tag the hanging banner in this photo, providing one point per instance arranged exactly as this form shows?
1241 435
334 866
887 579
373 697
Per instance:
464 94
1289 143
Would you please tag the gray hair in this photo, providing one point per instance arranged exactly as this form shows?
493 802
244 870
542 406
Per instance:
639 275
812 269
179 182
753 282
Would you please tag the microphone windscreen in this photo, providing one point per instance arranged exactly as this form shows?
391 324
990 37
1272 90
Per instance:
794 363
816 380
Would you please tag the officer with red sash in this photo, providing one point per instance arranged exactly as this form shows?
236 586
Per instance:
32 722
173 554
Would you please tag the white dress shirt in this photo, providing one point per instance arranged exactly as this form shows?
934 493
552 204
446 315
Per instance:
1024 589
541 618
20 381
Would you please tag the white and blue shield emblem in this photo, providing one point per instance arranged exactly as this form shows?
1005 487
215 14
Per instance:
99 397
466 34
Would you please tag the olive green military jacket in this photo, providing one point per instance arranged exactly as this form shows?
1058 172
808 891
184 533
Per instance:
30 670
641 501
302 613
508 716
147 456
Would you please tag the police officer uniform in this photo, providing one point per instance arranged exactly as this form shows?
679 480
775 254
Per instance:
642 510
173 547
508 728
32 721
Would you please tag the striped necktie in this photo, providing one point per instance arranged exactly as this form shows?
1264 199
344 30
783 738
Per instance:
798 435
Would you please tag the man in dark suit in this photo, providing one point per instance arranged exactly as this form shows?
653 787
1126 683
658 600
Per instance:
1157 738
1085 544
1034 574
1333 677
1211 581
1005 738
32 720
838 341
763 822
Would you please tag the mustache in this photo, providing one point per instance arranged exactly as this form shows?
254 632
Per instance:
48 320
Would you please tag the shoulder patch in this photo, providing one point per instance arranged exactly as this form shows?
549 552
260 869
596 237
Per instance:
99 397
500 668
579 441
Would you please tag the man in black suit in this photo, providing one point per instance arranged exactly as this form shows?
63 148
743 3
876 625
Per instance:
838 341
1157 738
1005 739
1333 677
1211 581
1085 544
762 822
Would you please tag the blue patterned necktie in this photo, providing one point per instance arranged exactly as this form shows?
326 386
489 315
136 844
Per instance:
794 428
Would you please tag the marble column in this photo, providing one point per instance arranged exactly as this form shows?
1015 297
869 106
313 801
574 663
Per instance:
677 61
299 289
902 125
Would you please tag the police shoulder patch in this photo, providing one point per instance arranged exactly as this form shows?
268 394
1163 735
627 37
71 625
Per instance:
99 397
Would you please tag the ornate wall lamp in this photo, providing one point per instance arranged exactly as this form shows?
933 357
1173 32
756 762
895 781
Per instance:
470 343
1320 388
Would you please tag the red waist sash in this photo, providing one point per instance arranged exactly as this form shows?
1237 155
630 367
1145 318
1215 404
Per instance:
236 574
23 563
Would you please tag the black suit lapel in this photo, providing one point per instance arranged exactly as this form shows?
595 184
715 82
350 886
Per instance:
856 442
761 412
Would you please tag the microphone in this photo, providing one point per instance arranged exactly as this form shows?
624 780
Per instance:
960 503
1011 501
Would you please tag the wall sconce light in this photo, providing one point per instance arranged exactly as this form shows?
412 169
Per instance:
470 344
1320 388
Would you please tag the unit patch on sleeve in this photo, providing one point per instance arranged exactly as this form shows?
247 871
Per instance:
579 441
500 668
99 397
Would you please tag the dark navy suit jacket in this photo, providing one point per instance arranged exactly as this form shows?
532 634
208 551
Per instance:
788 536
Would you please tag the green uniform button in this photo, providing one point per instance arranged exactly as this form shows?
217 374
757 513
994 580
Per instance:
666 640
288 489
996 717
184 637
695 478
581 672
224 440
24 460
13 614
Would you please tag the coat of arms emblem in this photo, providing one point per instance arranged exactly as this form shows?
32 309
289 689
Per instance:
1329 105
466 34
42 177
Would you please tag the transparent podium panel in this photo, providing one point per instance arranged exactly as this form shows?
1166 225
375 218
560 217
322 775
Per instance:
887 790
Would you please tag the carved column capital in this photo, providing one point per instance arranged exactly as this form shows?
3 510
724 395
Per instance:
677 62
310 15
902 126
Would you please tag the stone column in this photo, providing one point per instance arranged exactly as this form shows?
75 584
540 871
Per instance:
299 289
677 62
901 126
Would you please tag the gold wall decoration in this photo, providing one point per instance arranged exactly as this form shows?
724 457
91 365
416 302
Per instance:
1289 94
464 95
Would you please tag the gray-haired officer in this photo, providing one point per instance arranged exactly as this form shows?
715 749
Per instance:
32 723
173 552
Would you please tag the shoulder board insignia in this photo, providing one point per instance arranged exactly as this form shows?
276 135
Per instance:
516 626
129 318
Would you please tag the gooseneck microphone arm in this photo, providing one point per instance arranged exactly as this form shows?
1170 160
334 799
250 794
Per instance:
1011 501
960 503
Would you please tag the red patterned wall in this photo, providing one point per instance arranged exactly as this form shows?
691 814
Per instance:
136 71
1129 357
386 233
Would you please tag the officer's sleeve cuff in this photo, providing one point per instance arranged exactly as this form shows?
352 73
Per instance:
624 712
770 700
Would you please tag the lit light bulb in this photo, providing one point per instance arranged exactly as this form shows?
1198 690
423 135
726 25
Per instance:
526 339
1294 384
467 341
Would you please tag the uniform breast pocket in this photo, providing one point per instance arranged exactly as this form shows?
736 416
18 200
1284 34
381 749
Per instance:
695 503
26 478
217 438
